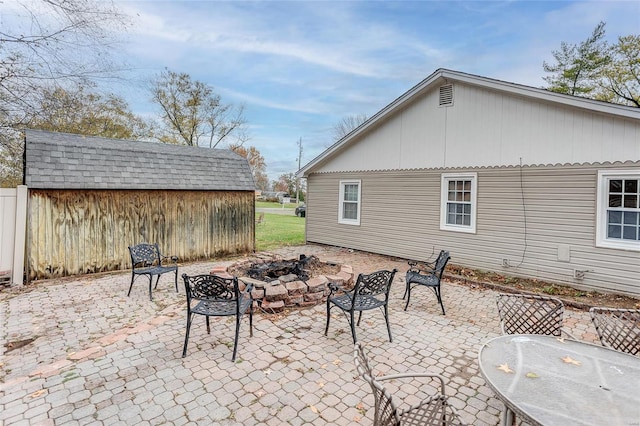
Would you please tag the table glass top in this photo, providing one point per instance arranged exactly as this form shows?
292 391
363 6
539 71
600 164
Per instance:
558 381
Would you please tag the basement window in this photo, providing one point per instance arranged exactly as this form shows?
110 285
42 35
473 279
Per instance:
446 95
618 209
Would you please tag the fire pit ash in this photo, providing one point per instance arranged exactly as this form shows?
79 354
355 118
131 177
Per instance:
298 282
303 268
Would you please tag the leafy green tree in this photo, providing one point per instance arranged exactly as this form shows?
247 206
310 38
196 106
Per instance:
597 70
192 114
578 67
621 77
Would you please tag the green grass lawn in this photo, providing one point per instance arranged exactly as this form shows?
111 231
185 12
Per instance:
270 205
279 230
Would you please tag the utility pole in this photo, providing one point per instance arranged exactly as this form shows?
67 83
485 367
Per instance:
297 178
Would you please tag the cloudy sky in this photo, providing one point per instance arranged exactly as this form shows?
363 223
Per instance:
300 66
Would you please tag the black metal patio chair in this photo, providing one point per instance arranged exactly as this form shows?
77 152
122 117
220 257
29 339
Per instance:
426 274
618 329
434 410
146 259
216 296
370 292
531 314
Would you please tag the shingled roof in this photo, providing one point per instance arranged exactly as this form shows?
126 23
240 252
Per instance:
68 161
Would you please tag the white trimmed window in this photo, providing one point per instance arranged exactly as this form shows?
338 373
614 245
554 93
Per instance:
618 209
349 203
458 194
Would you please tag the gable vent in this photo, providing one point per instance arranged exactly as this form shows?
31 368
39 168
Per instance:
446 95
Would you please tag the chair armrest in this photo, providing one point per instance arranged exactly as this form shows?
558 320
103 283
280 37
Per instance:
413 375
333 287
421 266
248 287
169 259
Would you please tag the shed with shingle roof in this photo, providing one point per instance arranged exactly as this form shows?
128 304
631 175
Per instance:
91 197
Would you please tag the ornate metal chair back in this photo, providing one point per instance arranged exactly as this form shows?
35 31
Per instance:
212 288
145 254
441 263
374 284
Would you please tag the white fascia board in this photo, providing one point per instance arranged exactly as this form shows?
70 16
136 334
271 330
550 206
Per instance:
545 95
377 117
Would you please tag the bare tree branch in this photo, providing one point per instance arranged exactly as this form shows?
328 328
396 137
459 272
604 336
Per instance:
193 114
45 43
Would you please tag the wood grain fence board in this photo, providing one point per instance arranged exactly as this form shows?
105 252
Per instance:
76 231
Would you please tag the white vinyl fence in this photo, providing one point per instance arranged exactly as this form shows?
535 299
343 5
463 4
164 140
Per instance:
13 225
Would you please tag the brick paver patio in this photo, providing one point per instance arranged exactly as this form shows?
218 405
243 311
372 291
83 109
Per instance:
79 351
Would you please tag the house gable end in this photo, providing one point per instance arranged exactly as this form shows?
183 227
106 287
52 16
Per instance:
485 123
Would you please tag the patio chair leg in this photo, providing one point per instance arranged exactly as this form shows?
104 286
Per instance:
386 318
251 321
353 325
208 328
186 337
508 419
439 297
326 329
150 284
131 285
235 342
359 317
408 292
176 281
157 280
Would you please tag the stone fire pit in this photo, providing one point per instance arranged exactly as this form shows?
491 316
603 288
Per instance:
280 283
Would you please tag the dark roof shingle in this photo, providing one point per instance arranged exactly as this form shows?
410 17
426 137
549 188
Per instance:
69 161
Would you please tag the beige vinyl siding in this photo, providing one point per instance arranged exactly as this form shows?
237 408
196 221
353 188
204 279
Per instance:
400 216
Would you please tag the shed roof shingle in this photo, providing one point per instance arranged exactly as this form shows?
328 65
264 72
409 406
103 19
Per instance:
69 161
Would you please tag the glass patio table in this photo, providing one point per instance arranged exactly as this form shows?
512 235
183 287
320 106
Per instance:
548 380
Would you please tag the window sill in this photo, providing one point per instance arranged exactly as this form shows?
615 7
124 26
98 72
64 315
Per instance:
464 230
619 245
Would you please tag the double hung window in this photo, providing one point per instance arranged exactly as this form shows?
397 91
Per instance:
458 202
618 204
349 203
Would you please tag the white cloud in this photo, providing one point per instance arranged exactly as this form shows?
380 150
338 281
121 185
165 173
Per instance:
301 66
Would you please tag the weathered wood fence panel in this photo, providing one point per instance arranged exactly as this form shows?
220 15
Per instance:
84 231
